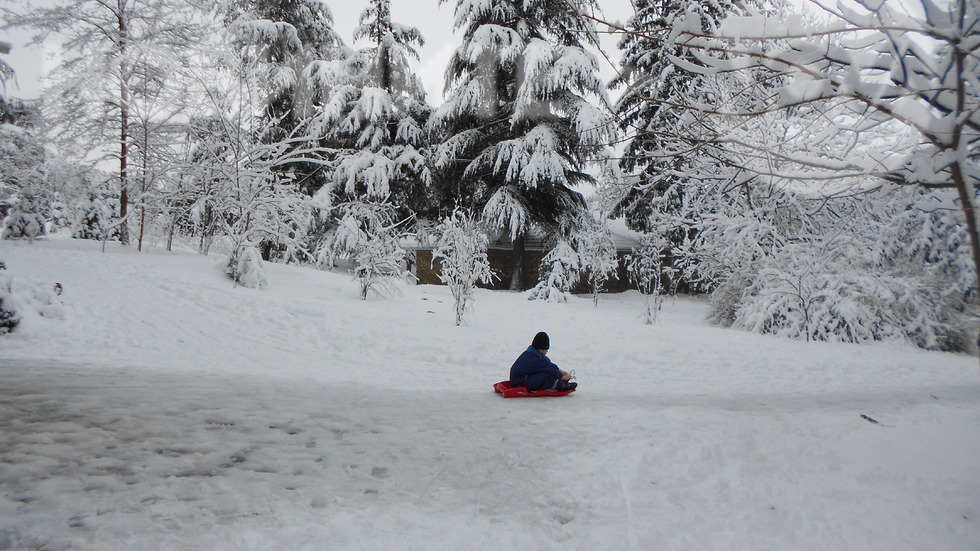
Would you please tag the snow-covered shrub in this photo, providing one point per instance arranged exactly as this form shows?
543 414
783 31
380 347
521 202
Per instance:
834 299
563 268
368 235
95 218
884 262
245 267
19 299
60 214
809 296
647 271
899 269
25 220
724 302
598 255
22 159
462 255
9 318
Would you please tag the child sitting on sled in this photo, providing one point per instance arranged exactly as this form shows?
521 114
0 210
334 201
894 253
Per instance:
535 371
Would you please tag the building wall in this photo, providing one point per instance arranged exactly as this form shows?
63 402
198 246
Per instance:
502 263
617 283
427 272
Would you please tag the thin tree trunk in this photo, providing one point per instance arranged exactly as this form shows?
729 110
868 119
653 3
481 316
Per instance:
965 191
123 168
123 130
142 227
170 235
145 170
970 213
517 277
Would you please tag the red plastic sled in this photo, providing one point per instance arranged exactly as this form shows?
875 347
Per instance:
504 388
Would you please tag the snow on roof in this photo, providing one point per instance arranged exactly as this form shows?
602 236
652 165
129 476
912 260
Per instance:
623 237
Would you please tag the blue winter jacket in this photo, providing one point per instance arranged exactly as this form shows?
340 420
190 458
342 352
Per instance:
534 370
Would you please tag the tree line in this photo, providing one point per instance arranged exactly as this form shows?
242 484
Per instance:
815 172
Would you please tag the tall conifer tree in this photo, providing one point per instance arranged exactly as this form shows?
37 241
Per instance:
373 114
518 125
650 81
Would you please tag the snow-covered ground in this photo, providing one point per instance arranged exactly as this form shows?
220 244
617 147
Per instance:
171 410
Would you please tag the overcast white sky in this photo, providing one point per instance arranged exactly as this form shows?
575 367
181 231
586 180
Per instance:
434 20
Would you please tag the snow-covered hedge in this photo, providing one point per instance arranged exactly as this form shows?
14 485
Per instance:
837 302
904 274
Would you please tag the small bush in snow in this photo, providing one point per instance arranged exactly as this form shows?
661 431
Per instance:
647 271
8 315
24 220
726 299
95 218
462 255
26 299
563 266
245 267
598 255
368 235
60 214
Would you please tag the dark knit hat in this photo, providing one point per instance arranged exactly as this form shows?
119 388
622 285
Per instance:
541 341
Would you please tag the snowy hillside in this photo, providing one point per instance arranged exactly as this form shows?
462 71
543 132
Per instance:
171 410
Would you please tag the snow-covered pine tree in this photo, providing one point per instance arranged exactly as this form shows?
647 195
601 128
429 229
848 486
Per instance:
60 213
518 127
374 114
95 218
25 220
9 318
289 35
651 81
462 257
22 166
